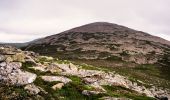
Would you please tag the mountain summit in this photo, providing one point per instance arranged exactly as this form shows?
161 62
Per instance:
103 27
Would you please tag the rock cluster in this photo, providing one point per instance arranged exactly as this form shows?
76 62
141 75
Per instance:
97 79
10 67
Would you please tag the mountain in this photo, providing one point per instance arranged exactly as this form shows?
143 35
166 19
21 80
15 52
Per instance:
131 53
102 40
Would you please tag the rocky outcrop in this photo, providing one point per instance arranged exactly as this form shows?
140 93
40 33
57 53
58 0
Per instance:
97 79
10 67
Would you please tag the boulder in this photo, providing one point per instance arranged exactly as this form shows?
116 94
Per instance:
56 78
88 92
11 74
3 64
73 67
32 89
23 78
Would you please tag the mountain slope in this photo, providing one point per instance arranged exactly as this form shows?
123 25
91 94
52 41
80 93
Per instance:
103 40
132 53
27 76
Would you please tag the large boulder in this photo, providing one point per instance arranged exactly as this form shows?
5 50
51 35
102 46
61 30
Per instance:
56 78
11 74
32 89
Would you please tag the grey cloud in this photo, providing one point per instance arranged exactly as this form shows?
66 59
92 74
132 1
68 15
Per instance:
42 17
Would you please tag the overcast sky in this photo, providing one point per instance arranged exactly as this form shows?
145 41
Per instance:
25 20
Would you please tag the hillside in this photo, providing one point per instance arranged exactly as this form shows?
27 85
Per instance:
26 75
126 51
103 41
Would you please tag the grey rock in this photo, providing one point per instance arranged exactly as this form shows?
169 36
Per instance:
11 74
32 89
88 93
56 78
3 64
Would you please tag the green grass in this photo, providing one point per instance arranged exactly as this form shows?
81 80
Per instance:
146 73
70 91
118 91
88 67
150 74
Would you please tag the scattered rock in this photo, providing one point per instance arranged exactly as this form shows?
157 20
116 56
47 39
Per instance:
97 78
11 73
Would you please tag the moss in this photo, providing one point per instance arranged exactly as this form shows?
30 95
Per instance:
79 84
43 59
